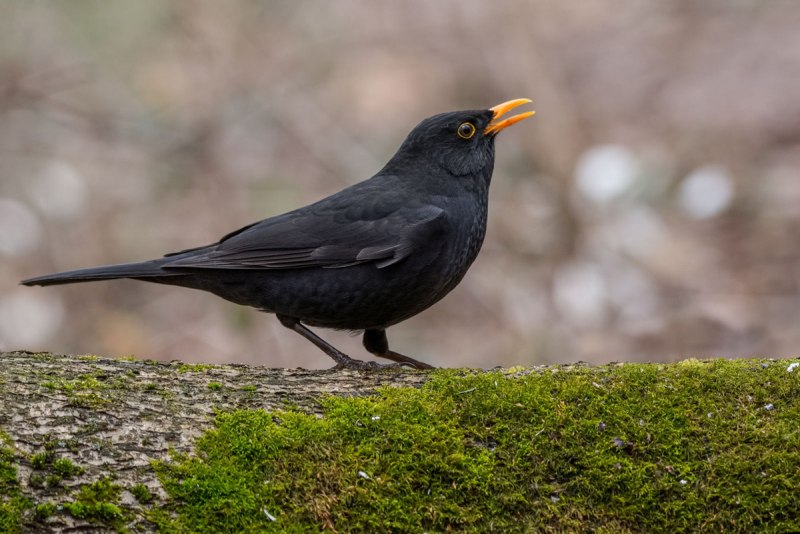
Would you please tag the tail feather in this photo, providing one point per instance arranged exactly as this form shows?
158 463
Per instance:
145 269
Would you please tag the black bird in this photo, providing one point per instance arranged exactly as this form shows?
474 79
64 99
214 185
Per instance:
365 258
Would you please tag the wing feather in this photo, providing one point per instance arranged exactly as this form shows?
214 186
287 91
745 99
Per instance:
323 235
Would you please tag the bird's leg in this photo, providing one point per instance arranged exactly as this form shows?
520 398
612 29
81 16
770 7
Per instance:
376 343
342 360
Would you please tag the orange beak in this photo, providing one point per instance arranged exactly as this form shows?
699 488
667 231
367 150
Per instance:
501 109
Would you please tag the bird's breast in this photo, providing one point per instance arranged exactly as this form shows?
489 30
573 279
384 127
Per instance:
458 247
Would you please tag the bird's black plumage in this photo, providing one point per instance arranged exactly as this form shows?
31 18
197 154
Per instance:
365 258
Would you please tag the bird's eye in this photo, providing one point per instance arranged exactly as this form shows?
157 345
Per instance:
466 130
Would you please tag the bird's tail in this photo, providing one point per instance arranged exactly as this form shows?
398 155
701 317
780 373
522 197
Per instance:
145 269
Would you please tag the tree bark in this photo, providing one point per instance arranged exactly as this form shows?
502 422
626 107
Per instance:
112 418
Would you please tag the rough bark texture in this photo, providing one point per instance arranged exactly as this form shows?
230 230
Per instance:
111 418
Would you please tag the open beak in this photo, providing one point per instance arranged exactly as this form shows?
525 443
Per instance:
501 109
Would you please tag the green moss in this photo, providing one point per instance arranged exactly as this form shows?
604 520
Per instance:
694 446
41 459
85 391
250 388
45 510
102 512
94 390
11 510
56 469
141 493
194 367
98 503
65 468
102 490
12 503
214 386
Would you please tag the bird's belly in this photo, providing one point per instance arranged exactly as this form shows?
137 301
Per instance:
352 298
366 297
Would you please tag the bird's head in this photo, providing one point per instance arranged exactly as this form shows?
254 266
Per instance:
459 142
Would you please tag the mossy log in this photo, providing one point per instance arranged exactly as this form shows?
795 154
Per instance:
111 419
94 444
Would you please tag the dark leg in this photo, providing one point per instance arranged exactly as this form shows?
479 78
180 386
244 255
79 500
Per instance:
375 342
342 360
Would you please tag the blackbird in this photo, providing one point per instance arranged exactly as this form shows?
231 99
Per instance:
365 258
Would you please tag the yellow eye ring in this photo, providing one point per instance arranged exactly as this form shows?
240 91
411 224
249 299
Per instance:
466 130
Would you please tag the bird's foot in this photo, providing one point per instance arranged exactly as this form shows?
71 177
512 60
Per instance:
343 361
402 359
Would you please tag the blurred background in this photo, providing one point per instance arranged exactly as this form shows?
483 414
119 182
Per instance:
649 212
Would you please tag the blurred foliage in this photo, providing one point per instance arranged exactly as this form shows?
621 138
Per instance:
649 211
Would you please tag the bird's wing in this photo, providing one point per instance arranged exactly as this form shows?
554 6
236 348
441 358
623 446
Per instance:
323 235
